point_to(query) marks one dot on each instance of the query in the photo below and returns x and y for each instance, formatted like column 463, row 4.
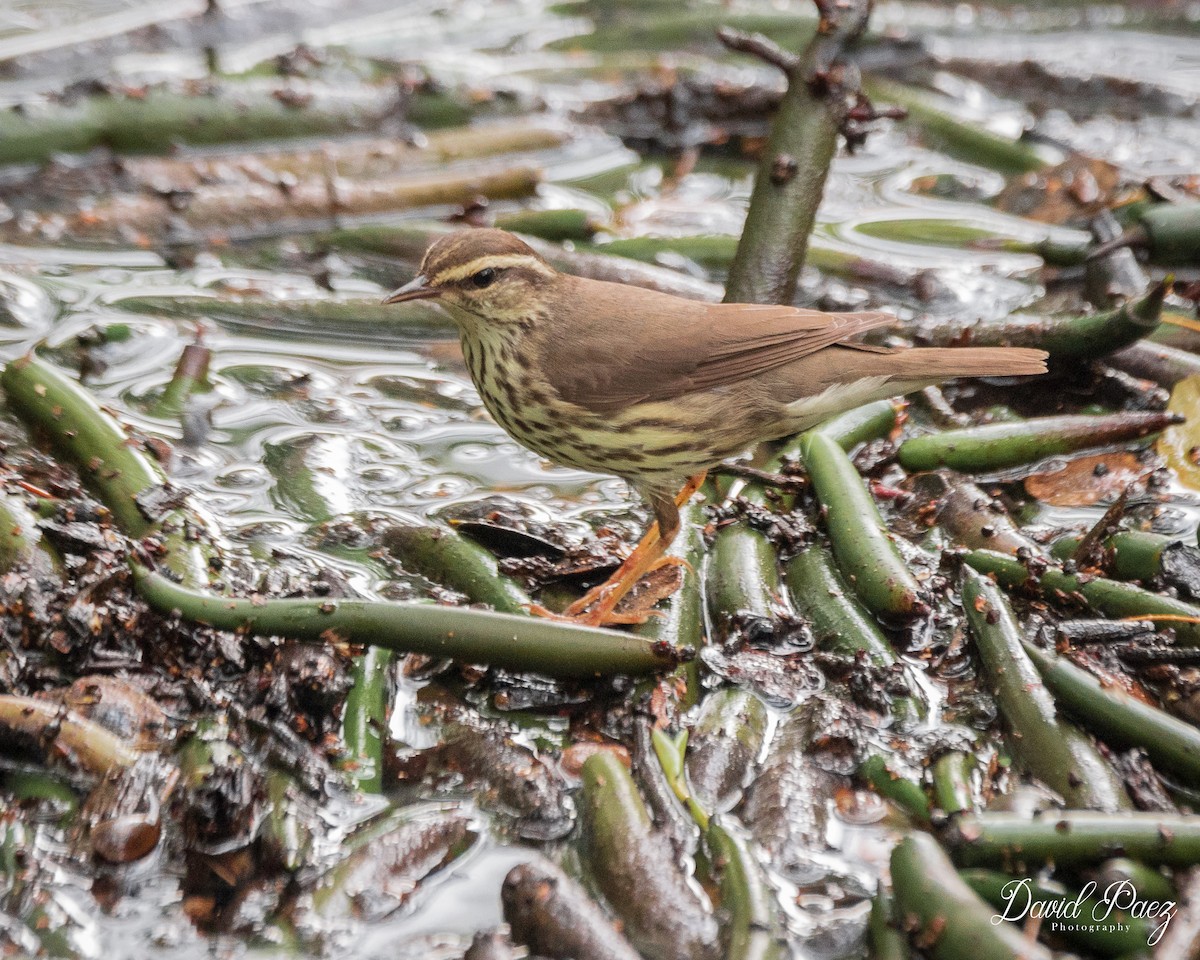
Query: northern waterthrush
column 655, row 388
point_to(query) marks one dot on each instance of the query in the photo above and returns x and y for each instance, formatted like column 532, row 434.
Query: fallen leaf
column 1180, row 444
column 1085, row 481
column 1077, row 187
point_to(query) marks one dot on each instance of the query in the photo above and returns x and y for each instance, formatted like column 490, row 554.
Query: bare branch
column 759, row 46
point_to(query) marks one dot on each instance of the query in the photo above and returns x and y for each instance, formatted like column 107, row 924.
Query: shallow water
column 390, row 423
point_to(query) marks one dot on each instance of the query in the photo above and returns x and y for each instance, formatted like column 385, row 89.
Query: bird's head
column 481, row 276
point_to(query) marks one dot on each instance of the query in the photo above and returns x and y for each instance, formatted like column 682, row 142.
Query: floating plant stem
column 861, row 540
column 452, row 560
column 754, row 931
column 1054, row 751
column 999, row 446
column 1120, row 719
column 952, row 782
column 872, row 421
column 839, row 620
column 473, row 636
column 969, row 141
column 364, row 718
column 1074, row 837
column 161, row 119
column 190, row 377
column 1078, row 337
column 946, row 914
column 116, row 469
column 632, row 864
column 896, row 784
column 1109, row 597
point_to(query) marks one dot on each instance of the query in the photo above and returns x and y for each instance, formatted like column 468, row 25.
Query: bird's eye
column 484, row 277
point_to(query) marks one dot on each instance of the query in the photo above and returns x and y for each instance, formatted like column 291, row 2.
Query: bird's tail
column 878, row 374
column 934, row 364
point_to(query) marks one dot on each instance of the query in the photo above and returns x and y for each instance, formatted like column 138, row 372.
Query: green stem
column 116, row 470
column 941, row 130
column 21, row 542
column 1149, row 883
column 952, row 783
column 839, row 621
column 951, row 921
column 753, row 931
column 635, row 869
column 190, row 377
column 1074, row 837
column 999, row 446
column 886, row 942
column 896, row 784
column 669, row 752
column 742, row 581
column 473, row 636
column 364, row 718
column 553, row 225
column 1120, row 719
column 1172, row 232
column 791, row 175
column 1109, row 597
column 87, row 435
column 158, row 120
column 1081, row 337
column 1134, row 554
column 872, row 421
column 1059, row 247
column 1054, row 751
column 452, row 560
column 861, row 540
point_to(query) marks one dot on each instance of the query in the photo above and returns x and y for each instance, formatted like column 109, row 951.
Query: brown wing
column 638, row 347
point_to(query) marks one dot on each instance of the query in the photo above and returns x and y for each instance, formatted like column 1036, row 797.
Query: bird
column 654, row 388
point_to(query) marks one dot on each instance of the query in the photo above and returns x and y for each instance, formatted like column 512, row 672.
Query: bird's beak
column 416, row 289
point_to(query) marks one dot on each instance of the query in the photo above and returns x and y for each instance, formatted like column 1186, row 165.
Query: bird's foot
column 671, row 562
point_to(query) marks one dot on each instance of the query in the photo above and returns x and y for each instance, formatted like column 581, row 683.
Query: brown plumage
column 655, row 388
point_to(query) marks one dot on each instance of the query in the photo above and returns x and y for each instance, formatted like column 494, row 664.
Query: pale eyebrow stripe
column 495, row 262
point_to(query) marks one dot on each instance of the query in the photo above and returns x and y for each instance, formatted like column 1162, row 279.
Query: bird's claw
column 672, row 562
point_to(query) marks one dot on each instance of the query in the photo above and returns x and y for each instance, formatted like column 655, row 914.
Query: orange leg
column 597, row 606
